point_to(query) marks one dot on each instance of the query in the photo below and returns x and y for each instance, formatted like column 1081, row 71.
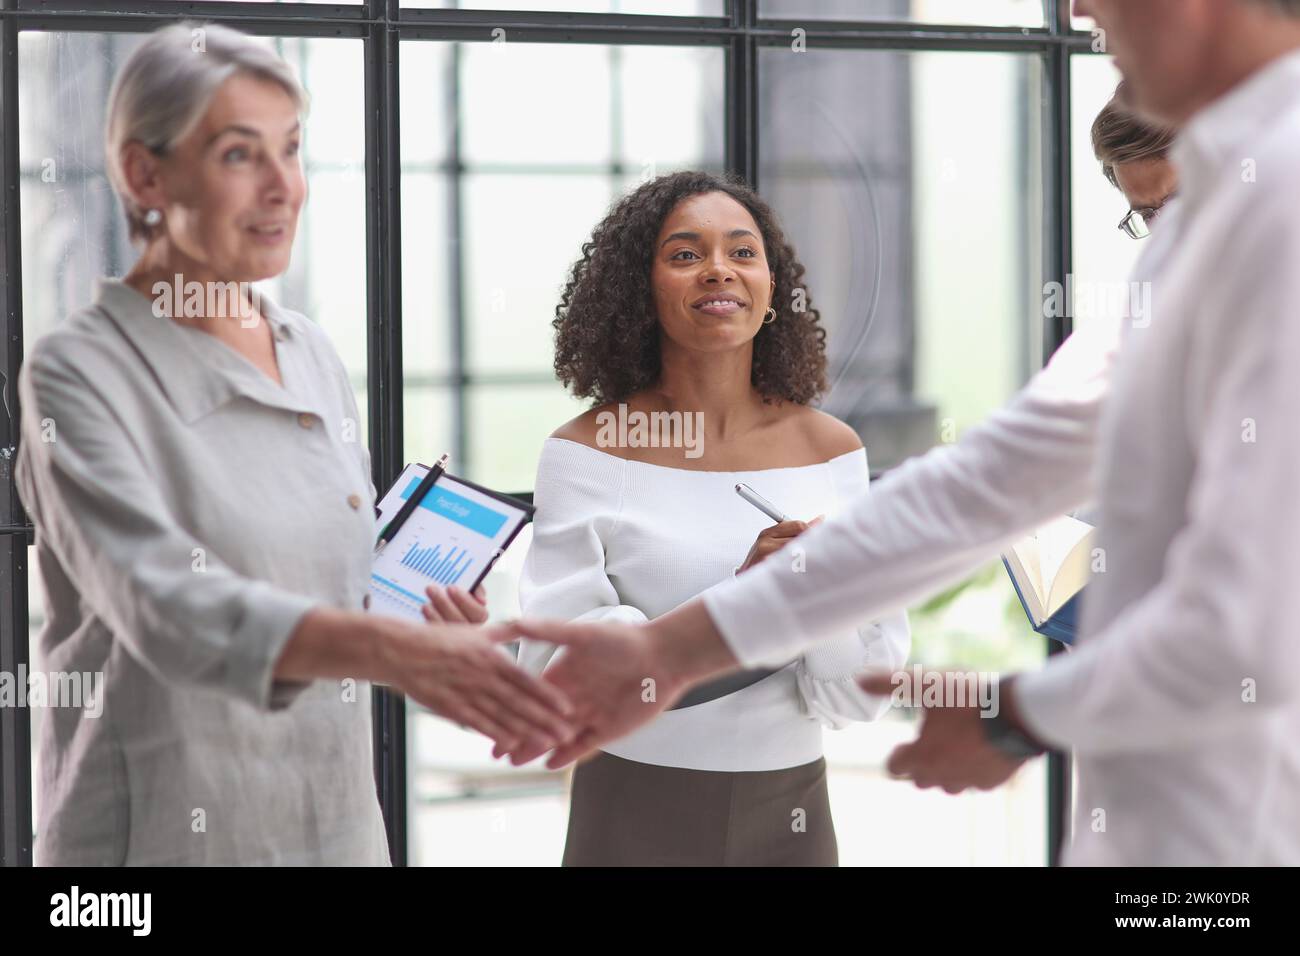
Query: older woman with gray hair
column 203, row 513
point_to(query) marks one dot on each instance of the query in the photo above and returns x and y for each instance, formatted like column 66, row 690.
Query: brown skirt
column 625, row 813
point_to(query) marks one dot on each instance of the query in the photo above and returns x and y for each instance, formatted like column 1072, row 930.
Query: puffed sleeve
column 826, row 675
column 578, row 496
column 99, row 510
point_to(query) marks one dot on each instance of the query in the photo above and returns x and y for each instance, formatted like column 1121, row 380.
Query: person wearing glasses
column 1134, row 156
column 204, row 513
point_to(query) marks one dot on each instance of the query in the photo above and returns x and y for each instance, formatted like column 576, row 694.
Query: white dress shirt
column 615, row 539
column 1180, row 699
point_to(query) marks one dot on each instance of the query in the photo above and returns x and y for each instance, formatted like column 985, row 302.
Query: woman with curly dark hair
column 687, row 323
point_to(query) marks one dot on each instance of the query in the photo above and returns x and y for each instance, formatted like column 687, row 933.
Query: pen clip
column 408, row 507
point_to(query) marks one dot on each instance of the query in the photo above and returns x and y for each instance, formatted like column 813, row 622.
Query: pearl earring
column 152, row 217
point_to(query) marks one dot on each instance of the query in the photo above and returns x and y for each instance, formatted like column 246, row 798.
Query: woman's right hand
column 459, row 672
column 455, row 605
column 773, row 539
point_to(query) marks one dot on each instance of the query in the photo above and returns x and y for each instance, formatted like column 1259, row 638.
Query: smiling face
column 710, row 277
column 230, row 191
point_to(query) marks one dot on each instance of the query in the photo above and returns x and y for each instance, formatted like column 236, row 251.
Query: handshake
column 614, row 677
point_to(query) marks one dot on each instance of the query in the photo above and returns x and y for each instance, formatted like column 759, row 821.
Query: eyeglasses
column 1137, row 224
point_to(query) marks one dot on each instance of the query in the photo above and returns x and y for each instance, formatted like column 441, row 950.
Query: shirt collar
column 197, row 371
column 1216, row 135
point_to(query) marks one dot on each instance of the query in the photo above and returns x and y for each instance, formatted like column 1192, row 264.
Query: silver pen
column 759, row 502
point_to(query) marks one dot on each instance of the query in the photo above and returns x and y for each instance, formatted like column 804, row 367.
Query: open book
column 1049, row 569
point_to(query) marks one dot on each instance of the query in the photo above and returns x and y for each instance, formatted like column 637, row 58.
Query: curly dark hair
column 606, row 328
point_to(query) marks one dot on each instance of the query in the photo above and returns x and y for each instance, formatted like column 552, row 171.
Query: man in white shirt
column 1180, row 701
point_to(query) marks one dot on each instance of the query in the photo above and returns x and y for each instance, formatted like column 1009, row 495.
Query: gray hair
column 165, row 87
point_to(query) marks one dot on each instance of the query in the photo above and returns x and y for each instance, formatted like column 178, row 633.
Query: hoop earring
column 152, row 217
column 771, row 313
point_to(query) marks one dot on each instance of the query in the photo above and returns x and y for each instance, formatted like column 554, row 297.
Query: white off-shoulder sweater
column 624, row 540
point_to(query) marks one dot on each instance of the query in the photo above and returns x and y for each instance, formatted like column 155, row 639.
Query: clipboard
column 454, row 535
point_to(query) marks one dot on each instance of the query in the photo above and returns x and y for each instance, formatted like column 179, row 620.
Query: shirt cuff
column 1046, row 703
column 755, row 621
column 260, row 640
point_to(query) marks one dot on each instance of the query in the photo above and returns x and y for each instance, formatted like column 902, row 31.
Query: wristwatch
column 1006, row 738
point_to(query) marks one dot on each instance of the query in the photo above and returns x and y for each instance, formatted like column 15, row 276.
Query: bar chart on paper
column 432, row 563
column 450, row 539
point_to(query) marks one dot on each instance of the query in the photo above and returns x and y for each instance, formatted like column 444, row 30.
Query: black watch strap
column 1003, row 736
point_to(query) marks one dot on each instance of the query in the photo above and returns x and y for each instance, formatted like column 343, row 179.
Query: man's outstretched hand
column 951, row 750
column 617, row 677
column 615, row 680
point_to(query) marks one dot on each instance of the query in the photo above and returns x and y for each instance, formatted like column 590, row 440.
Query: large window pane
column 429, row 242
column 515, row 264
column 524, row 415
column 72, row 228
column 912, row 185
column 508, row 104
column 993, row 13
column 915, row 201
column 428, row 419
